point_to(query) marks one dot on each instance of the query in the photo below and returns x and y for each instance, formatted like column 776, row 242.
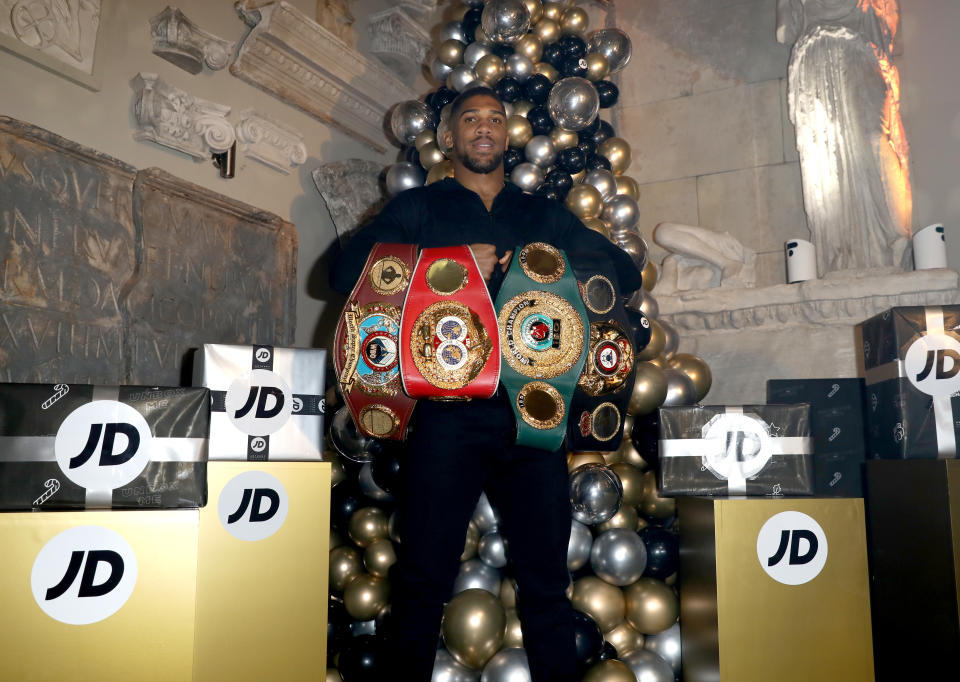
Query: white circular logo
column 739, row 446
column 297, row 405
column 83, row 575
column 253, row 505
column 259, row 403
column 792, row 548
column 932, row 364
column 103, row 445
column 263, row 355
column 644, row 322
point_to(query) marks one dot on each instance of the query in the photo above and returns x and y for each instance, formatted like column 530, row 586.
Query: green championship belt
column 543, row 338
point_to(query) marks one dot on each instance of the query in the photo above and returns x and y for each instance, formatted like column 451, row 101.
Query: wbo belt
column 367, row 343
column 543, row 337
column 603, row 390
column 449, row 349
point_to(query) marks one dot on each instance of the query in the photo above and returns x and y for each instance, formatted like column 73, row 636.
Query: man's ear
column 447, row 140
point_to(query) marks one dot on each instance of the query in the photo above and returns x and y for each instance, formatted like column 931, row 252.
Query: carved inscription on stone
column 66, row 250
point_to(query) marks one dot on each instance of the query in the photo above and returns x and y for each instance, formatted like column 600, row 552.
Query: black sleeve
column 397, row 223
column 578, row 237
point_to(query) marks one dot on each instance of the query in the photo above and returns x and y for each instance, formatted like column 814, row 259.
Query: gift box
column 727, row 450
column 265, row 403
column 74, row 446
column 912, row 370
column 837, row 428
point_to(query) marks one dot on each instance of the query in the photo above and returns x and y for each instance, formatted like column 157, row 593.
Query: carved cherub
column 335, row 16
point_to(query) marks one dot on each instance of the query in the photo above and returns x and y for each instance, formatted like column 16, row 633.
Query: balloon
column 563, row 139
column 452, row 30
column 530, row 46
column 369, row 487
column 600, row 600
column 608, row 651
column 571, row 160
column 584, row 201
column 508, row 88
column 628, row 186
column 598, row 66
column 645, row 439
column 597, row 225
column 492, row 549
column 631, row 242
column 379, row 557
column 424, row 138
column 548, row 192
column 512, row 158
column 485, row 516
column 476, row 575
column 680, row 388
column 624, row 638
column 618, row 556
column 574, row 21
column 573, row 103
column 337, row 471
column 471, row 20
column 527, row 176
column 409, row 119
column 617, row 150
column 647, row 666
column 540, row 150
column 365, row 596
column 461, row 77
column 450, row 52
column 540, row 120
column 430, row 156
column 652, row 504
column 573, row 46
column 663, row 552
column 442, row 170
column 573, row 66
column 553, row 10
column 519, row 131
column 613, row 44
column 670, row 341
column 666, row 645
column 632, row 480
column 473, row 627
column 608, row 92
column 598, row 162
column 578, row 548
column 651, row 273
column 367, row 525
column 508, row 593
column 547, row 70
column 519, row 67
column 560, row 181
column 605, row 183
column 588, row 639
column 626, row 517
column 480, row 36
column 362, row 660
column 547, row 30
column 695, row 368
column 603, row 133
column 610, row 671
column 629, row 454
column 535, row 8
column 507, row 665
column 338, row 626
column 505, row 21
column 537, row 89
column 619, row 210
column 553, row 54
column 345, row 437
column 654, row 346
column 439, row 71
column 345, row 565
column 490, row 69
column 513, row 636
column 474, row 53
column 345, row 499
column 446, row 669
column 649, row 389
column 595, row 493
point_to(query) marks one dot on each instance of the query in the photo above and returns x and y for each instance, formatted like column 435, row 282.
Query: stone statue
column 335, row 16
column 703, row 259
column 843, row 97
column 351, row 190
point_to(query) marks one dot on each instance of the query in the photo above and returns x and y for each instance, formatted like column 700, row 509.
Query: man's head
column 477, row 131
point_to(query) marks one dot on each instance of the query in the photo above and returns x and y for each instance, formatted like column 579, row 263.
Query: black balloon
column 591, row 129
column 540, row 120
column 597, row 162
column 604, row 132
column 345, row 499
column 571, row 160
column 574, row 66
column 470, row 22
column 609, row 93
column 503, row 51
column 511, row 159
column 641, row 329
column 441, row 98
column 587, row 146
column 362, row 660
column 608, row 652
column 663, row 552
column 537, row 89
column 509, row 89
column 412, row 155
column 385, row 467
column 552, row 54
column 589, row 639
column 549, row 192
column 560, row 180
column 573, row 46
column 645, row 437
column 338, row 627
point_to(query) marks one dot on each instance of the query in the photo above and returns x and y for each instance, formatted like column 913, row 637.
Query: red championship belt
column 367, row 343
column 449, row 346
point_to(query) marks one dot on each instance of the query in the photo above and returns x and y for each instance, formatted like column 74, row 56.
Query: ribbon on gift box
column 735, row 446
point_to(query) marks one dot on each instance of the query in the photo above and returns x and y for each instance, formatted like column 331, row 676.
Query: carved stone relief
column 398, row 41
column 351, row 190
column 336, row 17
column 64, row 32
column 270, row 142
column 182, row 42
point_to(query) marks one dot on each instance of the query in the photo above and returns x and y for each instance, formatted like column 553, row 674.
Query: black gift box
column 912, row 369
column 837, row 427
column 146, row 447
column 727, row 450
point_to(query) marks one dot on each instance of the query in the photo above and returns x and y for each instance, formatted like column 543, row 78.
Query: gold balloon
column 547, row 70
column 626, row 517
column 480, row 36
column 536, row 10
column 522, row 108
column 597, row 225
column 598, row 66
column 641, row 523
column 425, row 137
column 627, row 185
column 600, row 600
column 656, row 344
column 379, row 557
column 519, row 131
column 624, row 639
column 365, row 596
column 474, row 623
column 610, row 670
column 632, row 479
column 652, row 504
column 508, row 593
column 430, row 156
column 649, row 389
column 442, row 170
column 530, row 46
column 659, row 361
column 652, row 606
column 470, row 542
column 574, row 21
column 513, row 637
column 563, row 139
column 491, row 69
column 670, row 580
column 547, row 30
column 695, row 368
column 578, row 178
column 345, row 565
column 651, row 271
column 553, row 10
column 450, row 52
column 367, row 525
column 611, row 458
column 617, row 150
column 337, row 473
column 629, row 454
column 584, row 201
column 575, row 459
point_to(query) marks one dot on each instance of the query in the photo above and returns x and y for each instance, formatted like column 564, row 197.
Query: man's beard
column 475, row 165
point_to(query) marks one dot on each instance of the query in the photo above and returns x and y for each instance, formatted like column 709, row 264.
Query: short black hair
column 469, row 93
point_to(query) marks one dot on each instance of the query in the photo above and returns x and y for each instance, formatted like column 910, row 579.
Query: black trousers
column 457, row 451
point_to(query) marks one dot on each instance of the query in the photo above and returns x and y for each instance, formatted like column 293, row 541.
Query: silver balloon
column 618, row 556
column 573, row 103
column 452, row 30
column 680, row 388
column 519, row 67
column 446, row 669
column 505, row 21
column 485, row 517
column 527, row 176
column 409, row 119
column 403, row 176
column 492, row 550
column 461, row 77
column 474, row 574
column 507, row 665
column 620, row 210
column 578, row 548
column 642, row 300
column 541, row 151
column 666, row 645
column 671, row 339
column 473, row 53
column 369, row 487
column 613, row 44
column 635, row 246
column 647, row 666
column 440, row 71
column 595, row 493
column 604, row 181
column 347, row 440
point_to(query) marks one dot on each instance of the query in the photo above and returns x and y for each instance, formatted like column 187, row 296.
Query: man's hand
column 486, row 255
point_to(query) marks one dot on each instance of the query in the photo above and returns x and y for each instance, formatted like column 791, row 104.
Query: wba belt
column 367, row 343
column 448, row 345
column 603, row 390
column 543, row 338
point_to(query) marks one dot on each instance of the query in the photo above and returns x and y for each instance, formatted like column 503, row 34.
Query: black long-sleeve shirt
column 446, row 213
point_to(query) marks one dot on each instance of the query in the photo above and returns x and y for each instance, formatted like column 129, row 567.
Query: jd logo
column 115, row 446
column 262, row 355
column 83, row 575
column 260, row 403
column 739, row 445
column 932, row 364
column 253, row 506
column 792, row 548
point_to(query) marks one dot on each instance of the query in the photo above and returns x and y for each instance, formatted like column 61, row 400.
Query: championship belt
column 367, row 344
column 449, row 349
column 603, row 389
column 543, row 337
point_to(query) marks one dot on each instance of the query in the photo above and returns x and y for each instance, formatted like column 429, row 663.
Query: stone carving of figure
column 844, row 99
column 335, row 16
column 703, row 259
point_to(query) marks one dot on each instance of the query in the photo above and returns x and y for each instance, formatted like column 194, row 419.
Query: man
column 459, row 449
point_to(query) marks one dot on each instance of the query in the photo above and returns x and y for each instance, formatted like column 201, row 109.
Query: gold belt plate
column 541, row 334
column 449, row 345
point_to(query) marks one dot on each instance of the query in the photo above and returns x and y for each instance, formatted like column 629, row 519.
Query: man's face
column 479, row 135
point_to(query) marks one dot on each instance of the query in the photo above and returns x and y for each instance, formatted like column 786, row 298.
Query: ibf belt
column 603, row 390
column 543, row 338
column 449, row 349
column 367, row 343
